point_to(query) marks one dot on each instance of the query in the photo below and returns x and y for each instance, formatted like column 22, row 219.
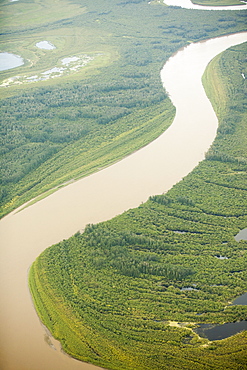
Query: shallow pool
column 9, row 61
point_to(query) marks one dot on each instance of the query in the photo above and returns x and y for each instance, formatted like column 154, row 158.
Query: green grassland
column 110, row 294
column 60, row 129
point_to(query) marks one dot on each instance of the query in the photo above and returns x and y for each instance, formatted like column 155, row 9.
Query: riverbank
column 67, row 127
column 208, row 5
column 124, row 278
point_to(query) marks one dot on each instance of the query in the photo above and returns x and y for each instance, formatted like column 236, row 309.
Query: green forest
column 113, row 295
column 64, row 128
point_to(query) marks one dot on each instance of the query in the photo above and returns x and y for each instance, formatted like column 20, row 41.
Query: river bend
column 151, row 170
column 188, row 4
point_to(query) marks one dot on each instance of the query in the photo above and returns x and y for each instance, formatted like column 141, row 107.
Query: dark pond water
column 221, row 331
column 217, row 332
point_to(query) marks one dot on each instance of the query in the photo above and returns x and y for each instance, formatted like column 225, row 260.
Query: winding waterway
column 188, row 4
column 158, row 166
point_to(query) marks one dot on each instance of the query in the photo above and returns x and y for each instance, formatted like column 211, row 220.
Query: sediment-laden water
column 25, row 344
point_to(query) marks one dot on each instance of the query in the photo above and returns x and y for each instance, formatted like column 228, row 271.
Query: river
column 188, row 4
column 159, row 165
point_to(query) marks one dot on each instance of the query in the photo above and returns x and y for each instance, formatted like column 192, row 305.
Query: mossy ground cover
column 63, row 128
column 110, row 293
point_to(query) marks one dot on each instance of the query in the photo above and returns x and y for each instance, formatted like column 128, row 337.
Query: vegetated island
column 113, row 294
column 63, row 128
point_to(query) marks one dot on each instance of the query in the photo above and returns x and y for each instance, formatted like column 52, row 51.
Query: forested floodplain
column 60, row 129
column 116, row 294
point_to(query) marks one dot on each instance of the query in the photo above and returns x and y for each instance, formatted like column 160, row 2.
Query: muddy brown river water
column 25, row 345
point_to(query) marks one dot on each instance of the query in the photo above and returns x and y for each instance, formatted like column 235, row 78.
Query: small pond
column 189, row 288
column 221, row 257
column 45, row 45
column 241, row 300
column 67, row 61
column 218, row 332
column 9, row 61
column 221, row 331
column 242, row 235
column 64, row 66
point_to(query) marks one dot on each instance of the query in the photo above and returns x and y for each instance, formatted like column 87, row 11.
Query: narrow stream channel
column 25, row 345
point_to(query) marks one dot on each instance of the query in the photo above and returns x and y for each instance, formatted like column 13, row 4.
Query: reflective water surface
column 242, row 235
column 187, row 4
column 45, row 45
column 218, row 332
column 151, row 170
column 9, row 61
column 221, row 331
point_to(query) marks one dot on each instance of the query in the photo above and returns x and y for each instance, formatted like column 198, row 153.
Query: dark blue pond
column 221, row 331
column 217, row 332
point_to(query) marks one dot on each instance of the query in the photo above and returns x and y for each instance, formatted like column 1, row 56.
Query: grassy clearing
column 19, row 16
column 110, row 294
column 216, row 92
